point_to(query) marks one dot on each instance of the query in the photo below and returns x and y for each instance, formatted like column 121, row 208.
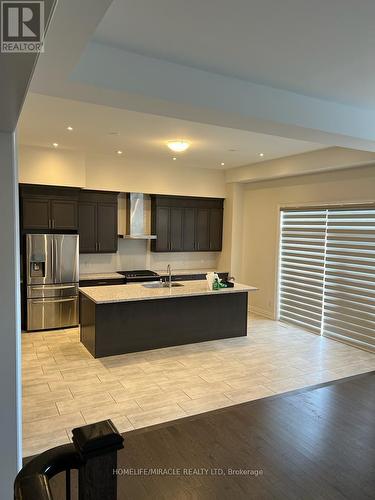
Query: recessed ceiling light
column 55, row 145
column 178, row 146
column 119, row 152
column 174, row 158
column 261, row 155
column 222, row 164
column 69, row 128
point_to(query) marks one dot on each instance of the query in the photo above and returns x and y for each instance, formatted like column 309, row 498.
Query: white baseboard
column 261, row 312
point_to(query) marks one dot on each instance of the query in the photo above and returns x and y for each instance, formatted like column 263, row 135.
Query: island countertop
column 136, row 291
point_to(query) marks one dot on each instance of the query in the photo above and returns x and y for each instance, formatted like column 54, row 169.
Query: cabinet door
column 162, row 227
column 107, row 228
column 87, row 227
column 176, row 220
column 64, row 214
column 35, row 213
column 202, row 229
column 189, row 230
column 216, row 229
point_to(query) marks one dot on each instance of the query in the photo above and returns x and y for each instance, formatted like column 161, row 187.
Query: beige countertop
column 134, row 292
column 100, row 276
column 163, row 272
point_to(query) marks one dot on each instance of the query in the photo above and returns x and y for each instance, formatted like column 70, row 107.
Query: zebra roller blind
column 302, row 267
column 349, row 304
column 327, row 272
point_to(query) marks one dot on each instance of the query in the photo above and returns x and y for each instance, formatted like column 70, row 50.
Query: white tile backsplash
column 136, row 254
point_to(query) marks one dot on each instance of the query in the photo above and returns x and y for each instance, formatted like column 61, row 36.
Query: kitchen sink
column 161, row 285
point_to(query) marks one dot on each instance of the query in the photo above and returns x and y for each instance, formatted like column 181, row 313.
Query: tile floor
column 64, row 387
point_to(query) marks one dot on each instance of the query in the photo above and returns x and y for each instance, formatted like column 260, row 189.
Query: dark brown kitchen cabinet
column 216, row 229
column 87, row 227
column 184, row 224
column 64, row 214
column 107, row 228
column 188, row 230
column 202, row 230
column 169, row 224
column 161, row 228
column 97, row 222
column 176, row 225
column 48, row 208
column 35, row 213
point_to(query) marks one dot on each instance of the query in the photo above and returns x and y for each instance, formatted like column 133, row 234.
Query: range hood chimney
column 137, row 217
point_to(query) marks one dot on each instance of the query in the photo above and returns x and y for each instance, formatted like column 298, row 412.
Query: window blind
column 327, row 272
column 302, row 250
column 349, row 299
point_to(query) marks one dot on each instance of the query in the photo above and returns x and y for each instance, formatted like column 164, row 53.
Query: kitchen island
column 120, row 319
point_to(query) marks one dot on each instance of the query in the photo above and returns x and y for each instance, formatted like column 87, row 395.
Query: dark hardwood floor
column 317, row 443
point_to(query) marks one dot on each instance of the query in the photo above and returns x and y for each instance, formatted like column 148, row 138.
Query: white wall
column 262, row 202
column 119, row 174
column 10, row 376
column 112, row 173
column 51, row 166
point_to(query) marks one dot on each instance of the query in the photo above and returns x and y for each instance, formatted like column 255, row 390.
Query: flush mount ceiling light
column 178, row 146
column 222, row 164
column 70, row 128
column 119, row 152
column 55, row 145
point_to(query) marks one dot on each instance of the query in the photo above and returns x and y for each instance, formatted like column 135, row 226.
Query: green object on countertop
column 216, row 284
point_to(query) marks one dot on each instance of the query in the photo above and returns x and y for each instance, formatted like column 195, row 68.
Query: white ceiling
column 142, row 136
column 321, row 48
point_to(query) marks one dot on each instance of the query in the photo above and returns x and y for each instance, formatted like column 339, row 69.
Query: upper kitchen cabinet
column 48, row 208
column 185, row 224
column 97, row 215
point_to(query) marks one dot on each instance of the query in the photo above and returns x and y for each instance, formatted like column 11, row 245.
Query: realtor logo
column 22, row 26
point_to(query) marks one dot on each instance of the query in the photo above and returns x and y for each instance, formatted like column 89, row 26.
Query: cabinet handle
column 49, row 224
column 198, row 246
column 53, row 223
column 99, row 246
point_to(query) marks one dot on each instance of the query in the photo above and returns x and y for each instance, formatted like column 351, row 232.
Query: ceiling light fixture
column 69, row 128
column 174, row 158
column 178, row 146
column 222, row 164
column 119, row 152
column 55, row 145
column 261, row 155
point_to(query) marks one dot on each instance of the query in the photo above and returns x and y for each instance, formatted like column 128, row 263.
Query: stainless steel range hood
column 135, row 216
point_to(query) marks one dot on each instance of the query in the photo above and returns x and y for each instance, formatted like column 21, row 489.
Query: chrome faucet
column 169, row 271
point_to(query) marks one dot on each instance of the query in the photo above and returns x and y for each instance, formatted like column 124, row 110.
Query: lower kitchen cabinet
column 184, row 224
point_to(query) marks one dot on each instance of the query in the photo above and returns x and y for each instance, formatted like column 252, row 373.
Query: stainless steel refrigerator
column 52, row 273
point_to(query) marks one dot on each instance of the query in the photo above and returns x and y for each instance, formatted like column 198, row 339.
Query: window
column 327, row 272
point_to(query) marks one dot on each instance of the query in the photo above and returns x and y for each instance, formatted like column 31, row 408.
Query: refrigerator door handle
column 51, row 287
column 49, row 301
